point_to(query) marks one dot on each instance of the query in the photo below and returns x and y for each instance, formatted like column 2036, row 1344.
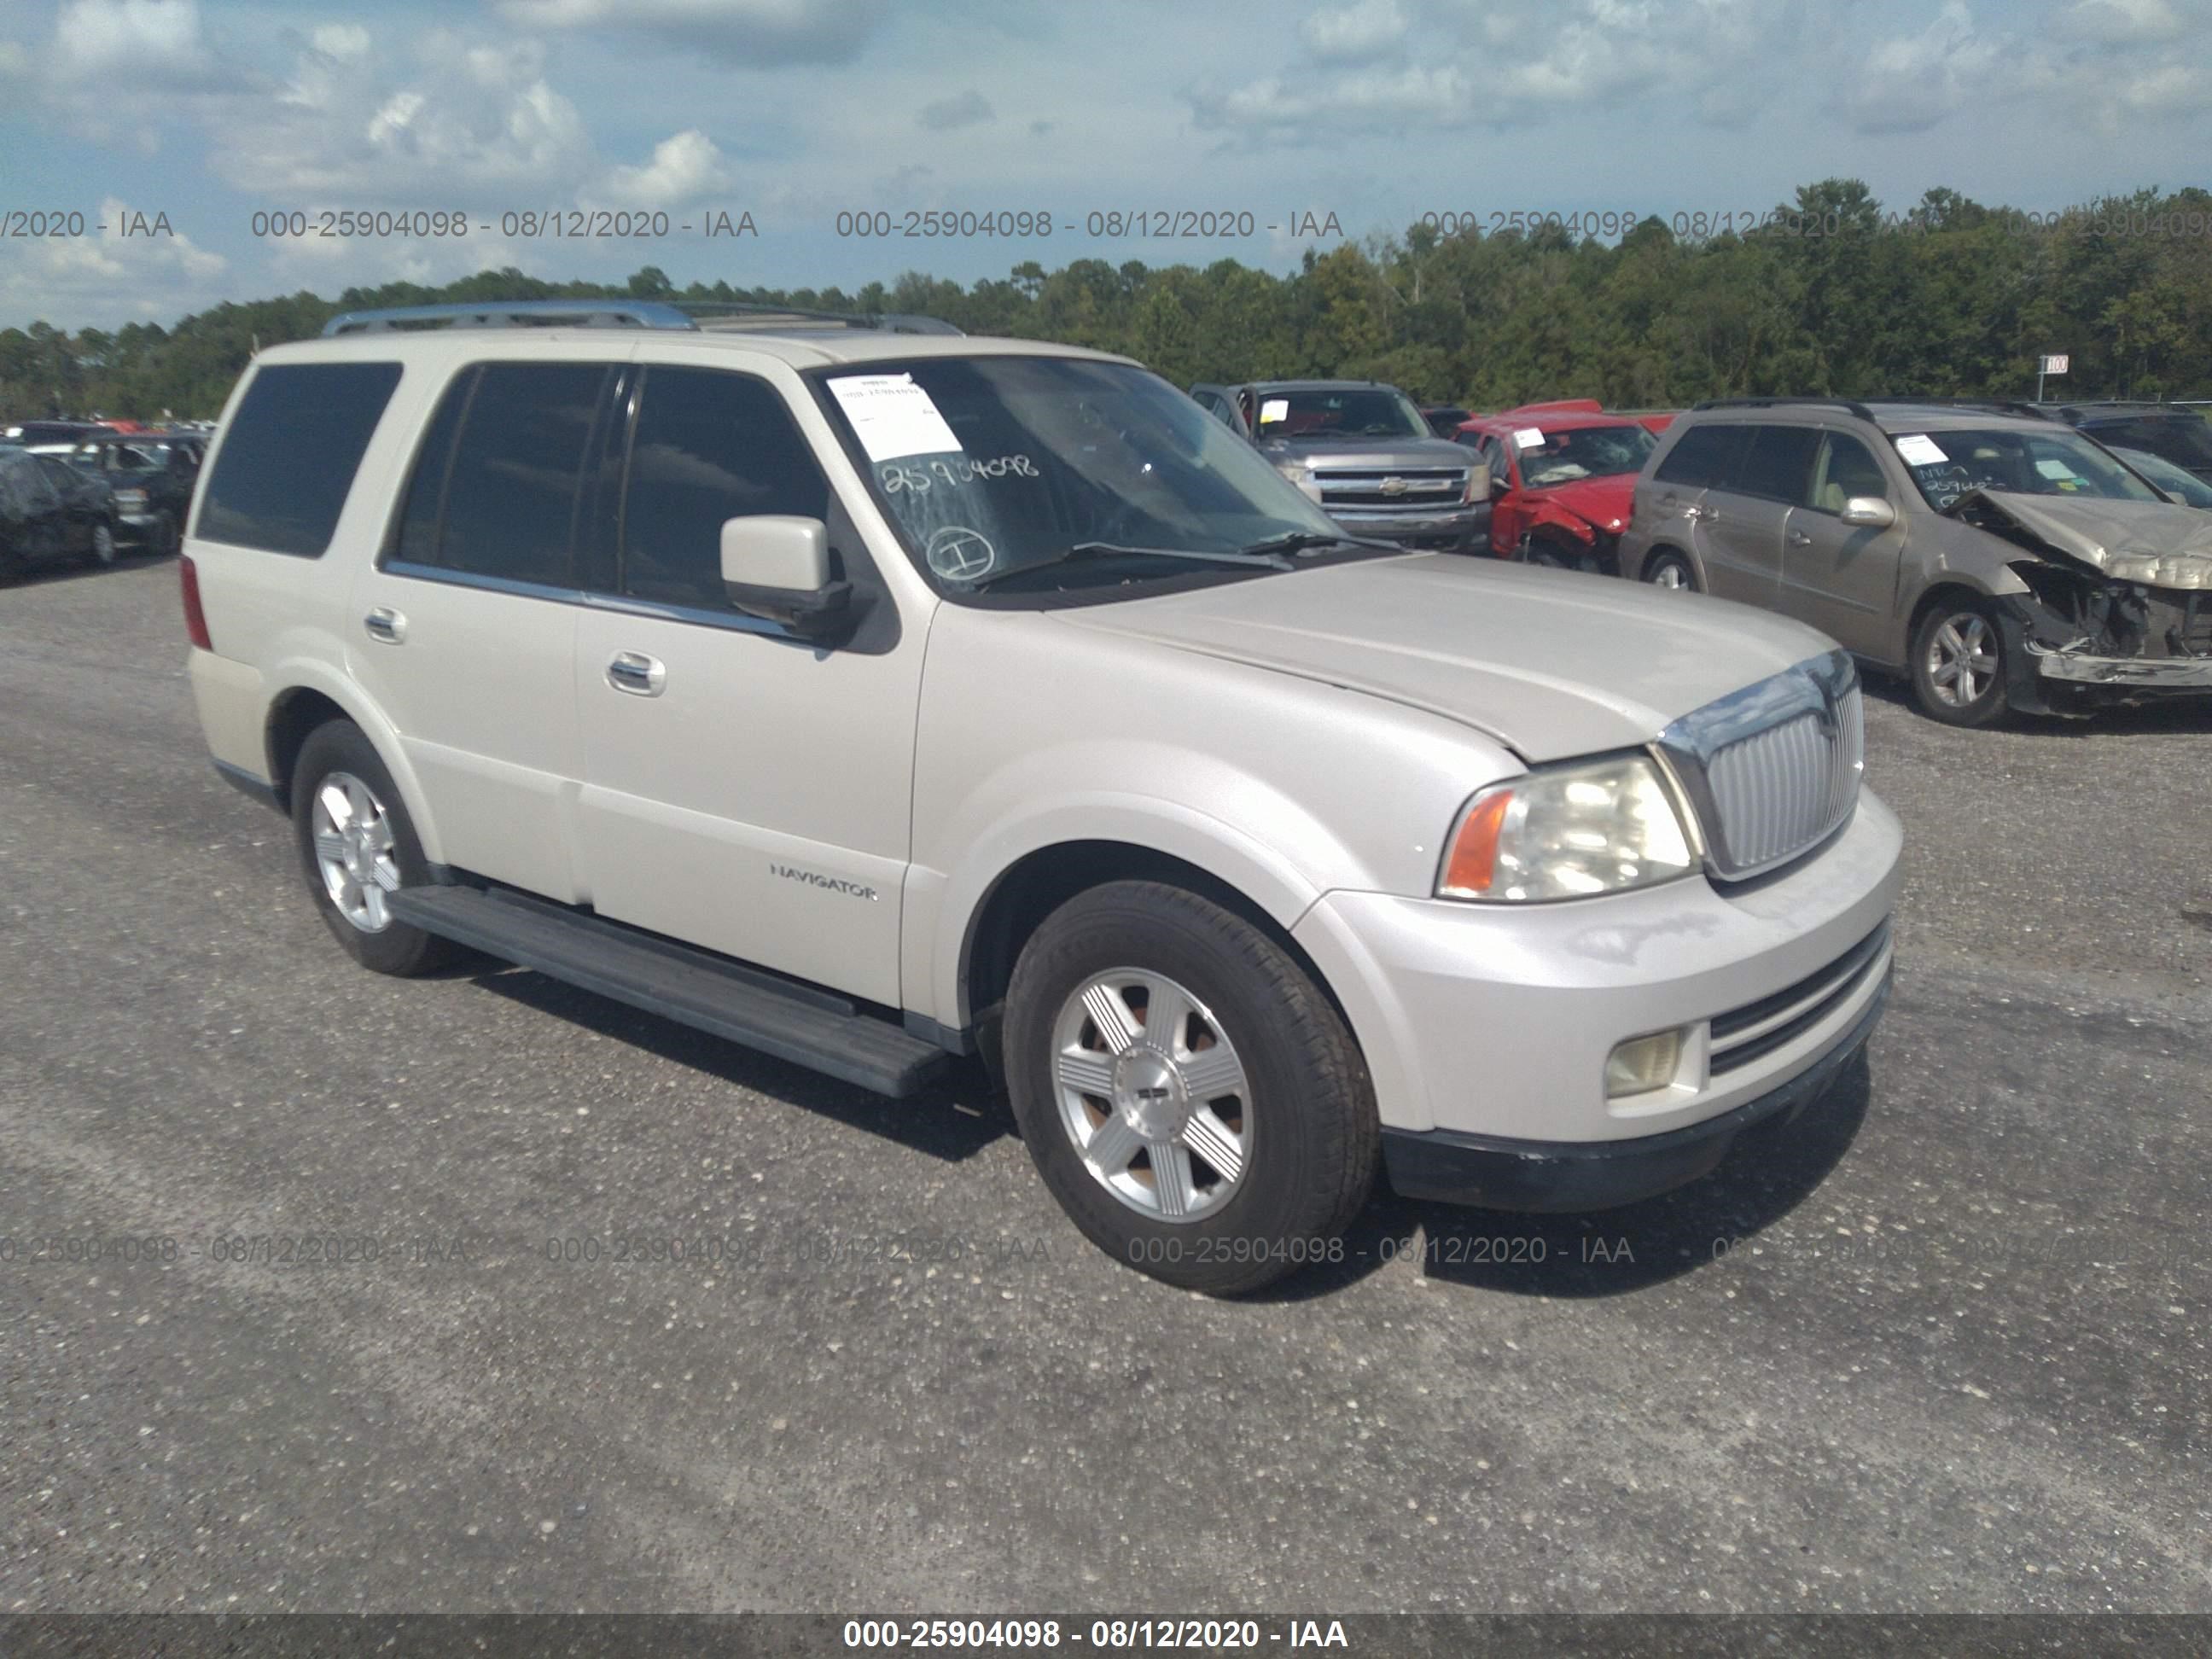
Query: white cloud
column 1910, row 82
column 1354, row 31
column 102, row 44
column 133, row 268
column 755, row 34
column 683, row 169
column 2124, row 21
column 965, row 109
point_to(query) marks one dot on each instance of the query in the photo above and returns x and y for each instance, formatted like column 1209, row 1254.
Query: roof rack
column 516, row 314
column 2006, row 405
column 1856, row 408
column 688, row 316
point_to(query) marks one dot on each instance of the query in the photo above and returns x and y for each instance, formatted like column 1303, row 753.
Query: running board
column 798, row 1022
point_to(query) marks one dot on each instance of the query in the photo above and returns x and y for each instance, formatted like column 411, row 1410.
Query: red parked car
column 1562, row 479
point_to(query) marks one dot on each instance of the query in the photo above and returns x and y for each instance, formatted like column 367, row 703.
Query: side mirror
column 1500, row 484
column 1869, row 512
column 778, row 568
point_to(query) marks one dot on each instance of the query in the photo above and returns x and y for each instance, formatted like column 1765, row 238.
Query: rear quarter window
column 1703, row 456
column 289, row 459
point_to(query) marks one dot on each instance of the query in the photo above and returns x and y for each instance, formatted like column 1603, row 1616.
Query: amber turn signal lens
column 1473, row 860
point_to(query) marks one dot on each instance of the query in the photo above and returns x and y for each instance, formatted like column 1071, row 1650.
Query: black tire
column 1945, row 630
column 166, row 538
column 1660, row 562
column 1549, row 555
column 340, row 746
column 1316, row 1134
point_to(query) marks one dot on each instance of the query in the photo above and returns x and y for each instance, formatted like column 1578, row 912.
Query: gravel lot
column 1944, row 1349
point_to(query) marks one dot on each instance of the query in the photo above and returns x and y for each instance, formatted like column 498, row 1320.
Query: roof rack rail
column 730, row 314
column 1855, row 407
column 515, row 313
column 2009, row 406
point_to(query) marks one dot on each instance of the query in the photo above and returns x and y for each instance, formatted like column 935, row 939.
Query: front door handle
column 636, row 673
column 1799, row 538
column 385, row 625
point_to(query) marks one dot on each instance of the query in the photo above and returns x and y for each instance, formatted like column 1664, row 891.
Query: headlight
column 1302, row 475
column 1566, row 831
column 130, row 501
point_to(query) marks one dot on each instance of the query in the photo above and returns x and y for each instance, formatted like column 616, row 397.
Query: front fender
column 1030, row 808
column 1550, row 515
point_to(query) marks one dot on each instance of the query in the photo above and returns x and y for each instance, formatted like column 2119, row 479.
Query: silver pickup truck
column 1362, row 451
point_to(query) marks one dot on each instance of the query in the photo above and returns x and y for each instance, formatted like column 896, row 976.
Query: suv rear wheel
column 357, row 847
column 1188, row 1094
column 1958, row 663
column 1670, row 570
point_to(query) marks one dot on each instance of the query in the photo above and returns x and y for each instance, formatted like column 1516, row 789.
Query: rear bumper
column 1574, row 1176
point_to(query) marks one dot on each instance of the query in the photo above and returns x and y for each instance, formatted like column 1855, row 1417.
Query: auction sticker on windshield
column 1529, row 437
column 1918, row 449
column 892, row 417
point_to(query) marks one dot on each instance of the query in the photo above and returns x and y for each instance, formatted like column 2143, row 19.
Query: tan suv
column 1997, row 557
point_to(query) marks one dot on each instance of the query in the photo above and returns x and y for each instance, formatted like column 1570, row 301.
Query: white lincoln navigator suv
column 874, row 696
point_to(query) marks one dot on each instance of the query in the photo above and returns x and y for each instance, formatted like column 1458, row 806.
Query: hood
column 1604, row 501
column 2157, row 544
column 1359, row 454
column 1551, row 663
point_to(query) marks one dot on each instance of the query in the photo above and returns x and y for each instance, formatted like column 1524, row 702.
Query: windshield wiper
column 1306, row 541
column 1263, row 557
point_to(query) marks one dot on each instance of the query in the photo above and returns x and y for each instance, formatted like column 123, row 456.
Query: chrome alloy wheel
column 1962, row 660
column 103, row 544
column 1153, row 1094
column 354, row 849
column 1672, row 575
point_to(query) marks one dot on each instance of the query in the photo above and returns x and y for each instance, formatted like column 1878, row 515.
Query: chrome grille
column 1773, row 769
column 1392, row 490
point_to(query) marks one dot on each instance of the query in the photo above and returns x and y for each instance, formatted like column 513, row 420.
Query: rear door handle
column 385, row 625
column 636, row 673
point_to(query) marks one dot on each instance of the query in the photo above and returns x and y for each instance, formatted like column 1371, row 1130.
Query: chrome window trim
column 734, row 622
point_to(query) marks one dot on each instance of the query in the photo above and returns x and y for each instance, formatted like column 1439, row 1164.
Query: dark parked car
column 50, row 511
column 2180, row 435
column 48, row 435
column 152, row 476
column 1445, row 421
column 2177, row 483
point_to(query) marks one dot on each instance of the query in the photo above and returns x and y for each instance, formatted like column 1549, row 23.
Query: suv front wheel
column 1958, row 663
column 358, row 848
column 1190, row 1096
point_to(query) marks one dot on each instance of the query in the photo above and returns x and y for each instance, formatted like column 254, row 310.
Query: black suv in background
column 2174, row 433
column 152, row 475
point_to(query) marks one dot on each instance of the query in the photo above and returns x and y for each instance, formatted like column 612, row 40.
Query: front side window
column 1026, row 473
column 1844, row 468
column 709, row 445
column 1376, row 411
column 1589, row 451
column 289, row 457
column 497, row 479
column 1947, row 466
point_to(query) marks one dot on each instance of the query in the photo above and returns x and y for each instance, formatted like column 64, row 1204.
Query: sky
column 174, row 122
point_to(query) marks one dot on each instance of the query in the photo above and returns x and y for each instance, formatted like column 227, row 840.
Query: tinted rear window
column 1702, row 456
column 289, row 457
column 502, row 499
column 1779, row 463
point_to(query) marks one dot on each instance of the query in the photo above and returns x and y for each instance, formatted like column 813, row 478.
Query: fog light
column 1642, row 1064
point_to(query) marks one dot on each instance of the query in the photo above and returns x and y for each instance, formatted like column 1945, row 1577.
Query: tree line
column 1832, row 295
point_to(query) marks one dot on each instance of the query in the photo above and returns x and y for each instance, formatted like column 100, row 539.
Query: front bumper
column 1570, row 1177
column 2126, row 673
column 1462, row 530
column 1495, row 1021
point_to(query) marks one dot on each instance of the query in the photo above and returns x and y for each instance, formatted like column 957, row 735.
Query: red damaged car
column 1562, row 479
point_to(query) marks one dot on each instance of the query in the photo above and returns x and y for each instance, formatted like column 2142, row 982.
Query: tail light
column 196, row 628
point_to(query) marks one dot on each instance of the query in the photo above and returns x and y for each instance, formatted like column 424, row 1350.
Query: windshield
column 2177, row 482
column 1589, row 451
column 2185, row 440
column 1365, row 411
column 994, row 468
column 1946, row 465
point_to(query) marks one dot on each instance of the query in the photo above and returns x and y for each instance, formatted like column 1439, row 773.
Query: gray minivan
column 1999, row 558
